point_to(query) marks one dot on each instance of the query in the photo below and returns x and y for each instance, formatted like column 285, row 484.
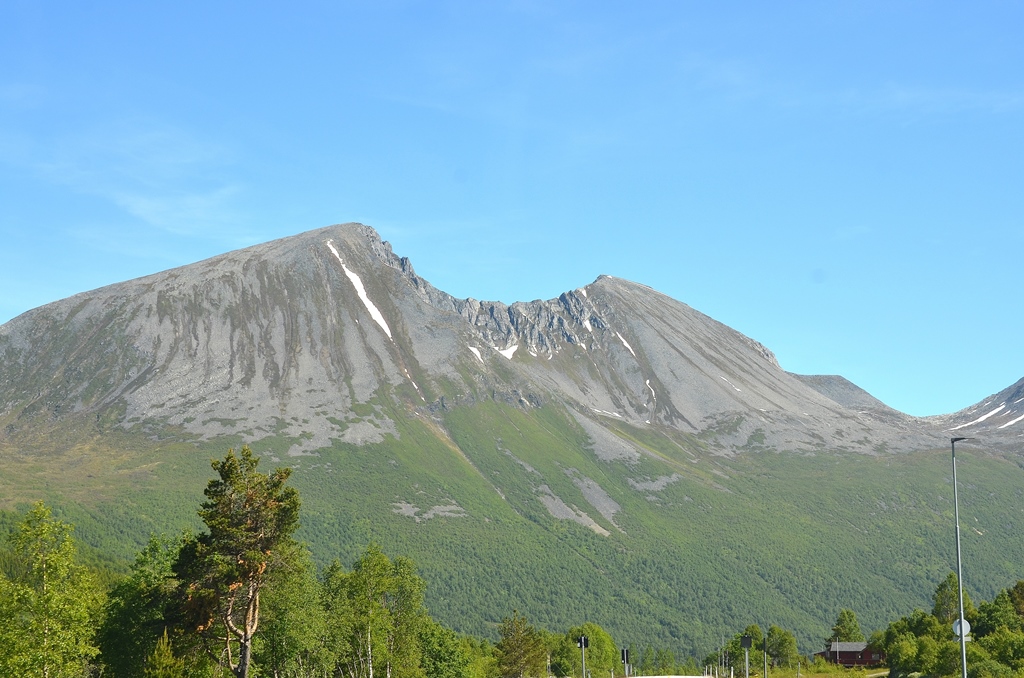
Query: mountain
column 285, row 336
column 611, row 454
column 997, row 418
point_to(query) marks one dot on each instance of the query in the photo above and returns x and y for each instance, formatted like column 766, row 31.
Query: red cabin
column 852, row 654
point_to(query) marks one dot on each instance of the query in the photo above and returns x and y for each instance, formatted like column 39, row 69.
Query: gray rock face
column 302, row 336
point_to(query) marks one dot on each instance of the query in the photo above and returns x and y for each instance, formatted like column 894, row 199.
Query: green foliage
column 443, row 653
column 377, row 616
column 483, row 661
column 134, row 617
column 947, row 601
column 782, row 648
column 647, row 664
column 521, row 652
column 372, row 619
column 339, row 617
column 567, row 659
column 664, row 661
column 1006, row 646
column 1016, row 594
column 923, row 643
column 732, row 654
column 999, row 613
column 49, row 608
column 293, row 625
column 250, row 517
column 989, row 668
column 162, row 663
column 847, row 628
column 793, row 537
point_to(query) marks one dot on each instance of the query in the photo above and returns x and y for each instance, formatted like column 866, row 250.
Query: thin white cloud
column 165, row 177
column 181, row 213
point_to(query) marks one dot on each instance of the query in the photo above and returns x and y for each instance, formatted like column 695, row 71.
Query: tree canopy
column 521, row 651
column 923, row 643
column 49, row 608
column 847, row 628
column 250, row 517
column 245, row 598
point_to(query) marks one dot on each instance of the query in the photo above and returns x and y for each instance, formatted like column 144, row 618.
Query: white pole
column 959, row 566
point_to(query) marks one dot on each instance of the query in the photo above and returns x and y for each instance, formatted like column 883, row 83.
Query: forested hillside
column 765, row 538
column 242, row 597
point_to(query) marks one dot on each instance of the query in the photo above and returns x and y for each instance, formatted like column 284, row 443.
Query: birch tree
column 847, row 628
column 48, row 609
column 379, row 608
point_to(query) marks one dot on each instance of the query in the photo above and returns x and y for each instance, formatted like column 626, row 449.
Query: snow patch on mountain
column 626, row 344
column 361, row 292
column 654, row 396
column 734, row 386
column 1011, row 423
column 981, row 418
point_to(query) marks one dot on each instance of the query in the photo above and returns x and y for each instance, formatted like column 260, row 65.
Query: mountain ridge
column 277, row 346
column 618, row 427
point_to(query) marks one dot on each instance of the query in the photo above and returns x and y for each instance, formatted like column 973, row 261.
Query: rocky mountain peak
column 287, row 337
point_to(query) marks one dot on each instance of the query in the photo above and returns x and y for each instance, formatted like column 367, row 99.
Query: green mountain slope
column 763, row 537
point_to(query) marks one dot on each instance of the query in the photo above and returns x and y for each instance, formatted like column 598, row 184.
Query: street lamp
column 961, row 628
column 746, row 642
column 583, row 643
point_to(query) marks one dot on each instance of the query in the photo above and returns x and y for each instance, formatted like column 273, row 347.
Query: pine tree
column 250, row 517
column 947, row 601
column 162, row 663
column 521, row 651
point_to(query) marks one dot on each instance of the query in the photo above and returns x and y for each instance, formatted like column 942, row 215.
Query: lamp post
column 766, row 655
column 961, row 627
column 746, row 642
column 583, row 643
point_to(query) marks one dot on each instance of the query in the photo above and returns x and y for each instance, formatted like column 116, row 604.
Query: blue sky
column 840, row 181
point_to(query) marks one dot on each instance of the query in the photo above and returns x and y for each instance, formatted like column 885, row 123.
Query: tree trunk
column 244, row 658
column 369, row 649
